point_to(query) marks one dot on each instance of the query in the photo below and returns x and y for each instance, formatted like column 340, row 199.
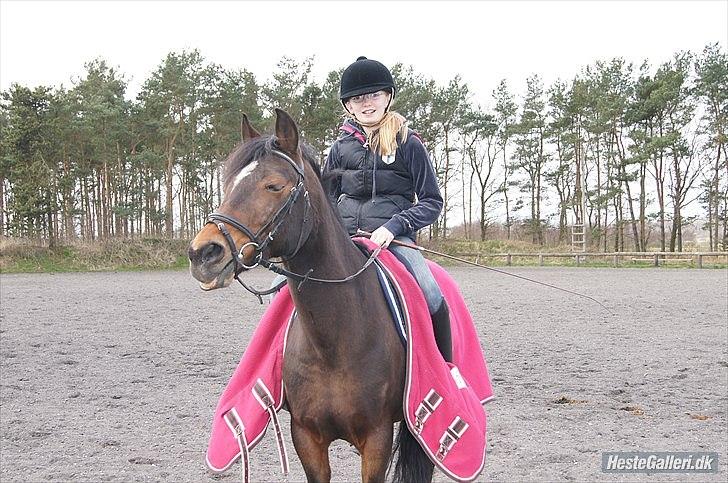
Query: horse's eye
column 275, row 188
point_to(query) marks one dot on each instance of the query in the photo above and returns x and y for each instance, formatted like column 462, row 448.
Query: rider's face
column 369, row 108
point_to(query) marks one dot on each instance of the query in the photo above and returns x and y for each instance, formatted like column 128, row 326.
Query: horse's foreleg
column 376, row 451
column 313, row 451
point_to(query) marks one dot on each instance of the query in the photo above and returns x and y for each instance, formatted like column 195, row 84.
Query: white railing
column 655, row 258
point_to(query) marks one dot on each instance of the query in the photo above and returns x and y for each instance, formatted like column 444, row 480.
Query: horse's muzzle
column 209, row 253
column 209, row 265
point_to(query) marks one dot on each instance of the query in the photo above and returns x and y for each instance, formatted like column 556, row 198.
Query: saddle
column 443, row 403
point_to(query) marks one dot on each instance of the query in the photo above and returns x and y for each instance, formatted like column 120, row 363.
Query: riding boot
column 441, row 326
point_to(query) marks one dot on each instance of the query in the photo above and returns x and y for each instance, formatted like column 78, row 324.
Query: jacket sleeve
column 333, row 163
column 429, row 200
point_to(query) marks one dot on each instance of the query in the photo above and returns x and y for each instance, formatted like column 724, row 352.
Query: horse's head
column 265, row 208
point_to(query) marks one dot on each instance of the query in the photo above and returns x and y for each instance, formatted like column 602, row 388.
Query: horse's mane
column 259, row 147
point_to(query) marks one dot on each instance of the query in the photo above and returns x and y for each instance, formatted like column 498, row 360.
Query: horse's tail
column 412, row 464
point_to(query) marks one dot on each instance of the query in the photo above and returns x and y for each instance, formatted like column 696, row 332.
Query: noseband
column 276, row 221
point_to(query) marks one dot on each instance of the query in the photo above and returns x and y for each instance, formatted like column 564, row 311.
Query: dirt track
column 114, row 376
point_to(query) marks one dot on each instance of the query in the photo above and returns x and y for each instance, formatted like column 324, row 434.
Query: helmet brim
column 345, row 96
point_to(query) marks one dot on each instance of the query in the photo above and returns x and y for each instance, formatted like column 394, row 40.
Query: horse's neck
column 329, row 310
column 328, row 250
column 327, row 254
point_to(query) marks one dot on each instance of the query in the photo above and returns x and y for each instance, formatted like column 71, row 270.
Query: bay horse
column 344, row 364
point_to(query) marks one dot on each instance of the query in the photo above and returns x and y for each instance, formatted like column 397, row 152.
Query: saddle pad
column 442, row 402
column 262, row 363
column 393, row 302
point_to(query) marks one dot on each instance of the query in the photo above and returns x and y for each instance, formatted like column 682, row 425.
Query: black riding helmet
column 365, row 76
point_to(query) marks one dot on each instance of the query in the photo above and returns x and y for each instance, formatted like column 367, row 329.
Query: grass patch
column 164, row 254
column 124, row 255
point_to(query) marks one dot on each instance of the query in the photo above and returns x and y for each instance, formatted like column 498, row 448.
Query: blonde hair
column 384, row 137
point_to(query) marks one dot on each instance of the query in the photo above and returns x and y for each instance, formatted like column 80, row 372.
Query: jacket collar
column 353, row 129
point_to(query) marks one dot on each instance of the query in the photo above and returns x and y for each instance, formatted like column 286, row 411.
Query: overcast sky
column 48, row 42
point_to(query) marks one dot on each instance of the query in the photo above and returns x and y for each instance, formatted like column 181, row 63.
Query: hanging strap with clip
column 232, row 418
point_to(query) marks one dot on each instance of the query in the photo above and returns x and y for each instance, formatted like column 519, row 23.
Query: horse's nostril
column 211, row 253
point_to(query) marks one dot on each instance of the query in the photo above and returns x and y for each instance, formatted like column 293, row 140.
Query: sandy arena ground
column 115, row 376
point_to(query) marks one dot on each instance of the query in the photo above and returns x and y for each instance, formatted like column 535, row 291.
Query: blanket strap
column 425, row 409
column 263, row 395
column 451, row 436
column 232, row 418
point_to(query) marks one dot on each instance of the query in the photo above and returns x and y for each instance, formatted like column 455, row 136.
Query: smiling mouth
column 369, row 111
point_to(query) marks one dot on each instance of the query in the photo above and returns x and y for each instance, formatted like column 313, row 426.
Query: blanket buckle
column 425, row 409
column 451, row 436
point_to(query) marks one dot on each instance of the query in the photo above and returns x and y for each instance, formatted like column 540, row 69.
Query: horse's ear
column 248, row 132
column 286, row 132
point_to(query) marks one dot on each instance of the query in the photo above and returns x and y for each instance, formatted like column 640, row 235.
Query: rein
column 220, row 220
column 462, row 260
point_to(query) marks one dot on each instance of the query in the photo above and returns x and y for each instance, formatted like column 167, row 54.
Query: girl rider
column 385, row 182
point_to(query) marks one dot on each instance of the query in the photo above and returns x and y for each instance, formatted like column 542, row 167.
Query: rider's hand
column 382, row 237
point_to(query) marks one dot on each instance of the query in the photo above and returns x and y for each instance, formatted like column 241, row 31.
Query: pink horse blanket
column 443, row 402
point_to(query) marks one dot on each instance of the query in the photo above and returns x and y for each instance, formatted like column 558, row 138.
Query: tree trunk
column 3, row 217
column 96, row 206
column 445, row 200
column 119, row 194
column 470, row 204
column 106, row 201
column 725, row 217
column 168, row 217
column 622, row 161
column 643, row 207
column 505, row 193
column 465, row 211
column 599, row 233
column 715, row 201
column 538, row 211
column 677, row 198
column 534, row 235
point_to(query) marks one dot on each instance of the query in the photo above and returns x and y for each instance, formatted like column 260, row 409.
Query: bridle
column 272, row 225
column 276, row 221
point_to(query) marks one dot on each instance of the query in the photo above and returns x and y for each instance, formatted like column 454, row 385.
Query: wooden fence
column 654, row 258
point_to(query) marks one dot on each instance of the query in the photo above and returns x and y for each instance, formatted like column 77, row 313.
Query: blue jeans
column 415, row 263
column 278, row 279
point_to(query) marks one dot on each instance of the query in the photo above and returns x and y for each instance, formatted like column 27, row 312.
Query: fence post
column 700, row 260
column 508, row 260
column 540, row 259
column 616, row 261
column 657, row 260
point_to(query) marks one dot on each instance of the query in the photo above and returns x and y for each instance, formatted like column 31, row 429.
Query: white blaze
column 245, row 172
